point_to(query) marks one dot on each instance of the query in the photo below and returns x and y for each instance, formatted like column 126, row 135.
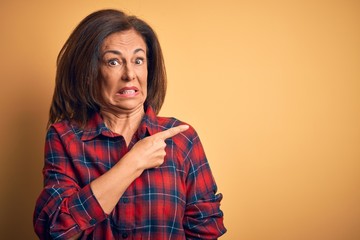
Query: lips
column 128, row 91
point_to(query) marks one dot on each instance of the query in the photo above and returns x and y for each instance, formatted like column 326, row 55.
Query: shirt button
column 124, row 235
column 92, row 221
column 126, row 200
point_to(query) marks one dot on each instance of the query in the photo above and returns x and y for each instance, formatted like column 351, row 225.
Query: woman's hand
column 150, row 151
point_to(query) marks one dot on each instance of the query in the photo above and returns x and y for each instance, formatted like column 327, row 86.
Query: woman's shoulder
column 64, row 129
column 63, row 126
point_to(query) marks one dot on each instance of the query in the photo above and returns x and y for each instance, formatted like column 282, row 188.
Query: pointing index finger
column 172, row 131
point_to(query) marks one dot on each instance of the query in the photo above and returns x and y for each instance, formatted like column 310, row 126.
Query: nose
column 128, row 74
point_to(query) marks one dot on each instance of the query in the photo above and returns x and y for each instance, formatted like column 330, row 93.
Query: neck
column 124, row 124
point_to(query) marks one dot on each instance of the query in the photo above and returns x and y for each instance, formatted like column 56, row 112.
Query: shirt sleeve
column 63, row 209
column 203, row 218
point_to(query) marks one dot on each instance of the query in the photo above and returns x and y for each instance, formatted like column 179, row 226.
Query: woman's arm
column 65, row 210
column 203, row 218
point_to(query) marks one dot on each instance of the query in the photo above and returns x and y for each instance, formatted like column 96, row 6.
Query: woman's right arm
column 64, row 209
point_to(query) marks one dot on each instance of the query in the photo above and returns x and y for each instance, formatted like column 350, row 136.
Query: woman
column 113, row 168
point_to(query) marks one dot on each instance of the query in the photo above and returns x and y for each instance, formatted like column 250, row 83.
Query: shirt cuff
column 85, row 209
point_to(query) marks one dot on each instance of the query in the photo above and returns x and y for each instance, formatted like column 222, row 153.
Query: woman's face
column 123, row 71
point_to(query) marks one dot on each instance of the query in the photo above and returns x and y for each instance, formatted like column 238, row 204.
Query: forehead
column 125, row 40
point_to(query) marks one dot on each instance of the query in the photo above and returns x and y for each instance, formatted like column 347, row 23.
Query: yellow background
column 273, row 88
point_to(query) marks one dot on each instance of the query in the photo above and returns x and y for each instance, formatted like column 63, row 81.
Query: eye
column 139, row 61
column 113, row 62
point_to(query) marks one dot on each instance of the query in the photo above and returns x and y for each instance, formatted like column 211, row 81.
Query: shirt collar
column 96, row 126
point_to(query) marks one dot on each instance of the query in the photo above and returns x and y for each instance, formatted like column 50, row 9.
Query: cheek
column 144, row 85
column 142, row 76
column 106, row 91
column 106, row 83
column 104, row 87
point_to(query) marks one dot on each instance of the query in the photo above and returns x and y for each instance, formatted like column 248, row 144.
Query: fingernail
column 184, row 127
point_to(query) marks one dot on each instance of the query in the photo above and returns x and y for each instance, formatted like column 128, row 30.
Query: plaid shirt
column 174, row 201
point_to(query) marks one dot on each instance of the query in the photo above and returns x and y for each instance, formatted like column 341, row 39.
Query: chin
column 130, row 107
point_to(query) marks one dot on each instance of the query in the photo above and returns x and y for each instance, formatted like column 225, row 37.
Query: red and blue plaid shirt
column 177, row 200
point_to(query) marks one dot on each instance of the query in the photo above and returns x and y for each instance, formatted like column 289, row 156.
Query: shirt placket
column 126, row 208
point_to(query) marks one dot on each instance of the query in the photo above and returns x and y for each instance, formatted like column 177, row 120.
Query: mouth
column 128, row 91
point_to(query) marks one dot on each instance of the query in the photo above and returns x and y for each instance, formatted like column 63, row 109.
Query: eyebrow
column 117, row 52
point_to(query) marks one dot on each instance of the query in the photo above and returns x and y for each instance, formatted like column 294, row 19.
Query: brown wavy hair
column 77, row 88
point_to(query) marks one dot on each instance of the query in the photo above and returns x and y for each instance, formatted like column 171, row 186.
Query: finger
column 172, row 132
